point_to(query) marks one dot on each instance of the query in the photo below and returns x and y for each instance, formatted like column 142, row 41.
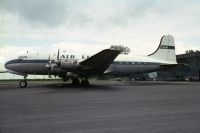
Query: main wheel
column 75, row 82
column 23, row 84
column 85, row 83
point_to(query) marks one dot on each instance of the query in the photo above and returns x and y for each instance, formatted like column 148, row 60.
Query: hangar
column 191, row 71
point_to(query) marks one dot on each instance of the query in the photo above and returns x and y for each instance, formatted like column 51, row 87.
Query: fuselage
column 123, row 64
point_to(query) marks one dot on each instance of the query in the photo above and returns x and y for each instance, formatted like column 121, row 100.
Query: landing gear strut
column 23, row 83
column 75, row 81
column 85, row 82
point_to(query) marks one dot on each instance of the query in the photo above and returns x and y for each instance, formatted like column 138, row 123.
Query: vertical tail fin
column 165, row 50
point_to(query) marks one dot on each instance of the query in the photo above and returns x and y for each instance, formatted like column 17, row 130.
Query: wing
column 98, row 63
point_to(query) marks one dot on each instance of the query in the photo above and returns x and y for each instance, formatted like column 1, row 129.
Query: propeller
column 53, row 64
column 57, row 60
column 50, row 66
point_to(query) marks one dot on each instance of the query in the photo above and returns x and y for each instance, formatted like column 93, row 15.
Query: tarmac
column 105, row 106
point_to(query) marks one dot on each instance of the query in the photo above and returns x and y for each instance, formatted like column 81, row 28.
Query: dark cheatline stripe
column 134, row 63
column 26, row 61
column 166, row 47
column 35, row 61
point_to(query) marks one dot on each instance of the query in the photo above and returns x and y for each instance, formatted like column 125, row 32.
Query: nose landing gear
column 23, row 83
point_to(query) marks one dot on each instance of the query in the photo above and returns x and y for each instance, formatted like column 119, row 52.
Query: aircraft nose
column 14, row 65
column 7, row 65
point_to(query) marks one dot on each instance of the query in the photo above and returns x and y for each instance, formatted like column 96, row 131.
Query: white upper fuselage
column 141, row 58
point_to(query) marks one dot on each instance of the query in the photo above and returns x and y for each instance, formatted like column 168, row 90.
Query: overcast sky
column 92, row 25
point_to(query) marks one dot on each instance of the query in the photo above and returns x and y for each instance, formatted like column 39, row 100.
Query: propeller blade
column 58, row 55
column 49, row 58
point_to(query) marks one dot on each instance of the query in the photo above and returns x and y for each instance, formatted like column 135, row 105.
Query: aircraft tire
column 85, row 83
column 22, row 84
column 75, row 82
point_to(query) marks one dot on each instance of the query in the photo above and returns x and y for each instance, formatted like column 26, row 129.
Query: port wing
column 99, row 62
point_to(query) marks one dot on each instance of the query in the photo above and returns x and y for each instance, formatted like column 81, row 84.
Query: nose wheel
column 23, row 83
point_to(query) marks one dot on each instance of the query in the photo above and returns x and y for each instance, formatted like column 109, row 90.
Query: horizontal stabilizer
column 99, row 62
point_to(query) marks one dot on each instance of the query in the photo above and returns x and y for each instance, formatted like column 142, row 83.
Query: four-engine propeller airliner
column 103, row 62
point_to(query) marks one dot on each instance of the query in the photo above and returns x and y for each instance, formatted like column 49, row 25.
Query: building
column 191, row 71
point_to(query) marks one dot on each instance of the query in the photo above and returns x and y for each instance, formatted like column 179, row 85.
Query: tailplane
column 165, row 50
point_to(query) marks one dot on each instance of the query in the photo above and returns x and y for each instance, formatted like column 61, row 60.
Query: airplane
column 163, row 58
column 104, row 62
column 67, row 67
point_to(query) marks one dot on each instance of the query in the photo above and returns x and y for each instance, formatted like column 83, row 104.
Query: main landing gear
column 23, row 83
column 84, row 82
column 75, row 81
